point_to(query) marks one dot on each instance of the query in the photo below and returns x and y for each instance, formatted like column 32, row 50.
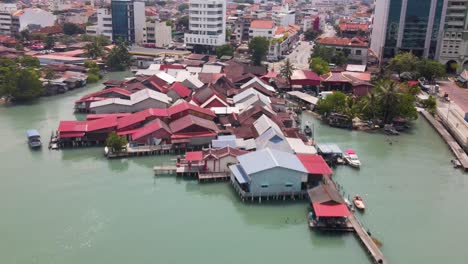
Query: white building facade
column 104, row 24
column 6, row 10
column 32, row 18
column 158, row 33
column 207, row 23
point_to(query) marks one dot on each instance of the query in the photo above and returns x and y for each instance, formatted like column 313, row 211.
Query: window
column 288, row 184
column 358, row 52
column 264, row 185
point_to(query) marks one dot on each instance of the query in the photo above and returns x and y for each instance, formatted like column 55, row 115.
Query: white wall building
column 284, row 16
column 32, row 17
column 6, row 10
column 207, row 23
column 58, row 5
column 262, row 28
column 104, row 24
column 139, row 20
column 158, row 33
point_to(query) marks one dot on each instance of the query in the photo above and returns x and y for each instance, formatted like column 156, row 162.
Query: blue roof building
column 268, row 172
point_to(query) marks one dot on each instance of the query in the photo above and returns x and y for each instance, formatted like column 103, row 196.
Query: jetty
column 368, row 243
column 451, row 142
column 142, row 151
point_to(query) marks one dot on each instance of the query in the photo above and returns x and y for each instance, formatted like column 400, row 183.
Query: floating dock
column 451, row 142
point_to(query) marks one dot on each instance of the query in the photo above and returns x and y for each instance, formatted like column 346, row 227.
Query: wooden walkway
column 206, row 176
column 143, row 151
column 451, row 142
column 366, row 240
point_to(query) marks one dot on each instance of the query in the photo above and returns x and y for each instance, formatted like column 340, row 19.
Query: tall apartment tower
column 207, row 23
column 453, row 47
column 128, row 21
column 407, row 25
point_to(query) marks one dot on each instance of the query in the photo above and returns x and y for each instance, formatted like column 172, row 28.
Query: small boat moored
column 34, row 138
column 359, row 202
column 351, row 158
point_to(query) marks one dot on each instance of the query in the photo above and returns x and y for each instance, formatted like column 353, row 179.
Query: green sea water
column 74, row 206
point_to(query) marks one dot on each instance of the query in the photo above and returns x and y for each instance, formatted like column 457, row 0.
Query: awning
column 238, row 173
column 330, row 210
column 194, row 156
column 315, row 164
column 71, row 135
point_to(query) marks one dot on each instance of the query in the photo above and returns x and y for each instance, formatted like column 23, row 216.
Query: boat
column 352, row 159
column 34, row 139
column 308, row 131
column 359, row 203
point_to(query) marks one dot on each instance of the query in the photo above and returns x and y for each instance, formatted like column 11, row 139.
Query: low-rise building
column 158, row 33
column 358, row 49
column 262, row 28
column 31, row 18
column 103, row 25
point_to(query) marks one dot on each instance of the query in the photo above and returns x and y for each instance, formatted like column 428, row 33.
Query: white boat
column 359, row 202
column 351, row 158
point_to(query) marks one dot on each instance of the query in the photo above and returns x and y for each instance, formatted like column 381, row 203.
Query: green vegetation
column 183, row 22
column 169, row 23
column 49, row 42
column 311, row 34
column 29, row 61
column 103, row 40
column 259, row 49
column 115, row 142
column 18, row 83
column 385, row 102
column 72, row 29
column 182, row 7
column 94, row 49
column 406, row 62
column 330, row 55
column 287, row 70
column 94, row 74
column 224, row 50
column 430, row 104
column 118, row 58
column 319, row 66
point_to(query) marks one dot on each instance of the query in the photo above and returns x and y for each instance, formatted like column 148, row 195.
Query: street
column 299, row 56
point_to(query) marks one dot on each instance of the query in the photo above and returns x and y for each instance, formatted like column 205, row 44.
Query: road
column 301, row 54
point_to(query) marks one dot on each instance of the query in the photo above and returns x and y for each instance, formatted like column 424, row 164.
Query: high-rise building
column 128, row 20
column 453, row 47
column 6, row 23
column 407, row 25
column 104, row 24
column 207, row 23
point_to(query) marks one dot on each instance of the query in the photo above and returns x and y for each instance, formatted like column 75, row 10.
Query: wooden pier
column 165, row 169
column 374, row 251
column 142, row 151
column 213, row 176
column 451, row 142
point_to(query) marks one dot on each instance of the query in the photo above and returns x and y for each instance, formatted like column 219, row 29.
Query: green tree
column 403, row 62
column 72, row 29
column 319, row 66
column 311, row 34
column 118, row 58
column 29, row 61
column 49, row 42
column 49, row 73
column 183, row 22
column 18, row 84
column 94, row 49
column 339, row 58
column 224, row 50
column 430, row 104
column 287, row 70
column 323, row 52
column 115, row 142
column 333, row 103
column 431, row 69
column 388, row 94
column 183, row 7
column 169, row 23
column 259, row 49
column 24, row 35
column 94, row 73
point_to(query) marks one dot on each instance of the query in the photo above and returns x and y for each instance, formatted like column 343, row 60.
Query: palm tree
column 388, row 94
column 370, row 103
column 287, row 71
column 94, row 49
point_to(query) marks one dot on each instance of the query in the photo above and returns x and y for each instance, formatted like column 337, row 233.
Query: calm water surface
column 74, row 206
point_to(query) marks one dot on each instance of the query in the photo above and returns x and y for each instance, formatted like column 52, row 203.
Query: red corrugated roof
column 262, row 24
column 171, row 66
column 141, row 116
column 354, row 42
column 315, row 164
column 330, row 210
column 181, row 89
column 194, row 156
column 150, row 128
column 71, row 126
column 190, row 120
column 103, row 123
column 98, row 116
column 192, row 135
column 105, row 91
column 186, row 106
